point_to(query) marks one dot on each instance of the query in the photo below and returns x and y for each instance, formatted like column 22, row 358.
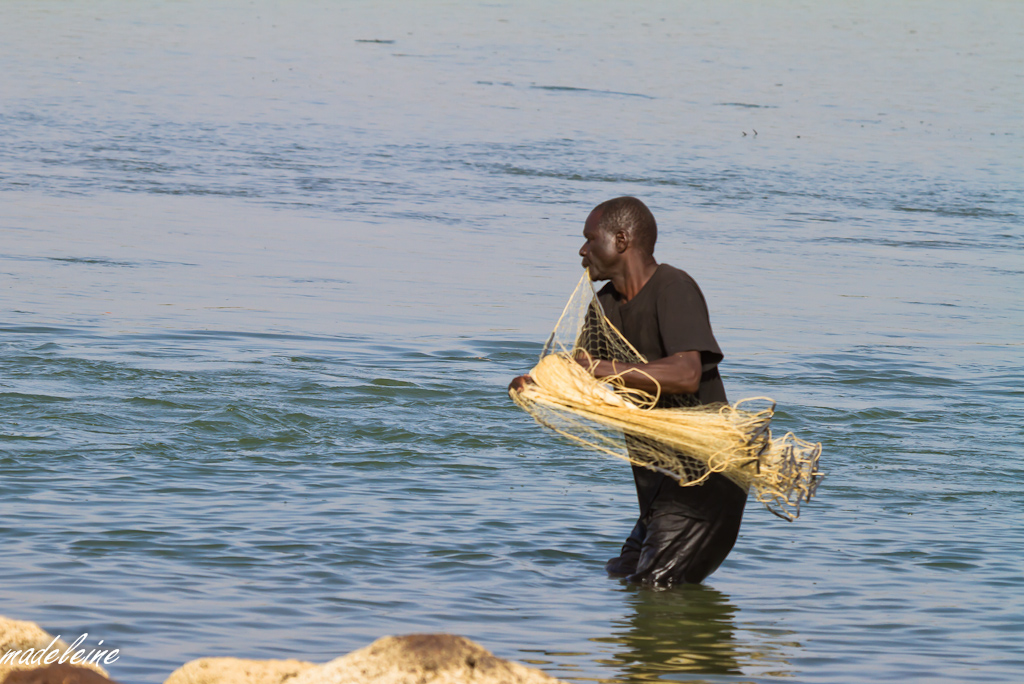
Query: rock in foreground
column 55, row 674
column 414, row 659
column 422, row 659
column 238, row 671
column 26, row 639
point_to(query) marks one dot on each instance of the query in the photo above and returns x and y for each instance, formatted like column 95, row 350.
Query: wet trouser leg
column 680, row 548
column 683, row 534
column 625, row 563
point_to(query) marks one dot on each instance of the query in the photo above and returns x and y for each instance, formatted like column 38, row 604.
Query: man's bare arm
column 676, row 374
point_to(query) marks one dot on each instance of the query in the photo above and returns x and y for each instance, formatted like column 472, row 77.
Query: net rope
column 667, row 433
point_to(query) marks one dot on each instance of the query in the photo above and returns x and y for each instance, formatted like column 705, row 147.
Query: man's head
column 615, row 231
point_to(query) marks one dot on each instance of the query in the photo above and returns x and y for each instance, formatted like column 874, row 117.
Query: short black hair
column 632, row 216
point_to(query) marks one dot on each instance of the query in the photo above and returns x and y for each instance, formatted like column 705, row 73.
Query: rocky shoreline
column 412, row 659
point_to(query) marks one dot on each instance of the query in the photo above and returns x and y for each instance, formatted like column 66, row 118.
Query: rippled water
column 267, row 269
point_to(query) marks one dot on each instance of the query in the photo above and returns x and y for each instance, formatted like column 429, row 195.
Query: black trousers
column 683, row 534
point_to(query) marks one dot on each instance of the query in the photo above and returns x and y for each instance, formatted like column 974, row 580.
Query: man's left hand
column 519, row 384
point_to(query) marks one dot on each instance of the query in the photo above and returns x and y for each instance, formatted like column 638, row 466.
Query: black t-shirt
column 668, row 316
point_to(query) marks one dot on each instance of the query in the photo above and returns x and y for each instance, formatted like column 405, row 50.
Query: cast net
column 666, row 433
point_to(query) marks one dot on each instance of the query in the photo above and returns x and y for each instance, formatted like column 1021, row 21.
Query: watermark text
column 53, row 654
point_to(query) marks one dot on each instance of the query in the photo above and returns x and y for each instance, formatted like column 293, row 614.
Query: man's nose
column 583, row 250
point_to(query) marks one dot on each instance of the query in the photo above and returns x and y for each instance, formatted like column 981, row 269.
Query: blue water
column 265, row 271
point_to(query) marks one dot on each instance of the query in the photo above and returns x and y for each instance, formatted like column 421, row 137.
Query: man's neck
column 634, row 276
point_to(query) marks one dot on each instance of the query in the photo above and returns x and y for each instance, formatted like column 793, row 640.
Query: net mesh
column 671, row 434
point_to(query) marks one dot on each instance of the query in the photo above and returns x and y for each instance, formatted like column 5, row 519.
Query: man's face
column 598, row 252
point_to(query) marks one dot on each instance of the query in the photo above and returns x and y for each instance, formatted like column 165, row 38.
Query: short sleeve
column 683, row 321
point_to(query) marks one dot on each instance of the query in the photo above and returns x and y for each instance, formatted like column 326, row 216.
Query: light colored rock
column 55, row 674
column 422, row 659
column 19, row 635
column 238, row 671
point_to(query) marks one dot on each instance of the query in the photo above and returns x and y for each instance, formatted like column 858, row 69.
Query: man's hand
column 520, row 383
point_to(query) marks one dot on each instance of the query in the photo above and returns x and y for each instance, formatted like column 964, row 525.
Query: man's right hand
column 520, row 383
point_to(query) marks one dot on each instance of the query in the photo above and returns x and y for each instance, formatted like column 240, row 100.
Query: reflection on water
column 686, row 630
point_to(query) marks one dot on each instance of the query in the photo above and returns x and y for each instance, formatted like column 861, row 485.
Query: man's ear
column 621, row 241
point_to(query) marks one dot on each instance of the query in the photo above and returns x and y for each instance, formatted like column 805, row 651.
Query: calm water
column 266, row 268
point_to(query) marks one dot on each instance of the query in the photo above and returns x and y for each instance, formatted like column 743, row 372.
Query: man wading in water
column 683, row 533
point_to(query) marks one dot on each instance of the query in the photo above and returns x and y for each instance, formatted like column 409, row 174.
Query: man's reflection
column 687, row 629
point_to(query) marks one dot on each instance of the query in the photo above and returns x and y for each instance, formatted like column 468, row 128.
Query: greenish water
column 264, row 283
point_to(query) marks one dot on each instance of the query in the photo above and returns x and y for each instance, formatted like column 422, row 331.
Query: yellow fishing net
column 659, row 432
